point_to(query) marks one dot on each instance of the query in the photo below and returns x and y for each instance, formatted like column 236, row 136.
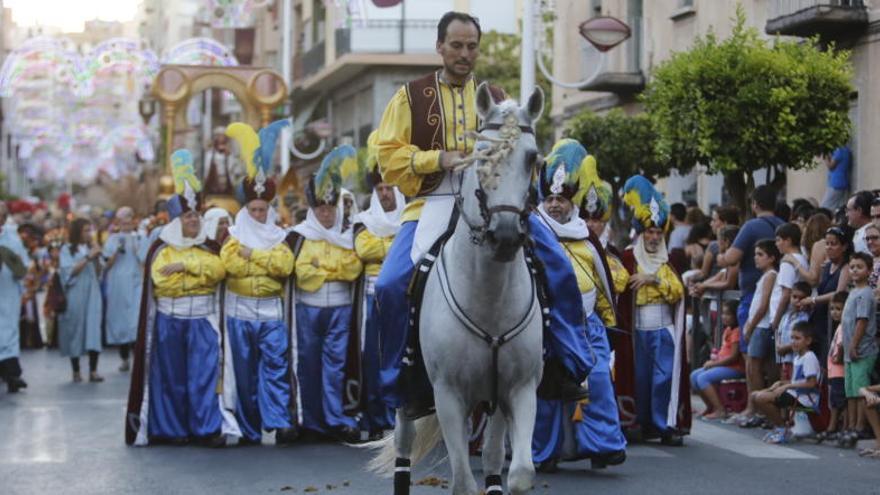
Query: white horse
column 481, row 322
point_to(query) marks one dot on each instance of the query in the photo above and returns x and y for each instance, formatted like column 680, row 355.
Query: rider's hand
column 449, row 159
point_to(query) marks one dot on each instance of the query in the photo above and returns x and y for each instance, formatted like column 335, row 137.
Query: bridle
column 478, row 230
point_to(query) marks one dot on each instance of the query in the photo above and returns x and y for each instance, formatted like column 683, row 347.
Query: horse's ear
column 484, row 100
column 535, row 105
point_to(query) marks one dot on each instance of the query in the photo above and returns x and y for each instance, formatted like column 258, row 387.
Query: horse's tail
column 427, row 436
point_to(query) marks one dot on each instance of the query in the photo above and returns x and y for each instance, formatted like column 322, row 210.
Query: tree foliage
column 499, row 64
column 623, row 145
column 744, row 104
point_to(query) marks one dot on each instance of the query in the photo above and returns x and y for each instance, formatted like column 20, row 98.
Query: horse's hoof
column 493, row 485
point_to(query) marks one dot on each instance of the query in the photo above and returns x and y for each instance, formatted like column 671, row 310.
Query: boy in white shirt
column 802, row 390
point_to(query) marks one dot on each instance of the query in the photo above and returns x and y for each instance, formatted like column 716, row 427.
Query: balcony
column 387, row 36
column 622, row 74
column 312, row 61
column 828, row 18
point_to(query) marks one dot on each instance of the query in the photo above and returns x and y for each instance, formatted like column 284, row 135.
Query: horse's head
column 504, row 159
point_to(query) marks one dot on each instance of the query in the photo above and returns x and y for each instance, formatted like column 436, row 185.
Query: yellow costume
column 203, row 270
column 587, row 276
column 669, row 291
column 336, row 265
column 403, row 163
column 262, row 275
column 372, row 251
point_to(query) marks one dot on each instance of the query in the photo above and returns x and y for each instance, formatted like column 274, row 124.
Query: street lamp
column 603, row 32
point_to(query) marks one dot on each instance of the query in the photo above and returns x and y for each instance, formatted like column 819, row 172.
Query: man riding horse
column 424, row 133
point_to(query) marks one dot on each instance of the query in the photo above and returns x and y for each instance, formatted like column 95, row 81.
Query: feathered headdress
column 594, row 198
column 560, row 174
column 648, row 205
column 372, row 174
column 256, row 153
column 325, row 184
column 187, row 187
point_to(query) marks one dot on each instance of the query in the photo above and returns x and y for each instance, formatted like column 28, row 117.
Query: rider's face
column 460, row 49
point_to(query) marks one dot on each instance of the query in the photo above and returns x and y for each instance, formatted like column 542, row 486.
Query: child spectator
column 757, row 332
column 784, row 354
column 802, row 390
column 728, row 365
column 788, row 241
column 859, row 343
column 836, row 371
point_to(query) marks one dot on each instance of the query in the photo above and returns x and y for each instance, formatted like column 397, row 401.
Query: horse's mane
column 490, row 157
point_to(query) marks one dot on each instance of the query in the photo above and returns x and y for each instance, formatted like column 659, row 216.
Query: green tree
column 623, row 146
column 746, row 104
column 499, row 64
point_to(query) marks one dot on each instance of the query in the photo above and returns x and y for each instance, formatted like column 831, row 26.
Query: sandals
column 847, row 439
column 872, row 453
column 751, row 422
column 826, row 435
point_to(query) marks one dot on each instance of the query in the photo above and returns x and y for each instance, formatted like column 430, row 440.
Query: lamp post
column 603, row 32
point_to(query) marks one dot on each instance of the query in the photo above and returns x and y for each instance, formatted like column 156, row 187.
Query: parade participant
column 79, row 325
column 217, row 223
column 423, row 134
column 374, row 230
column 326, row 265
column 220, row 165
column 657, row 369
column 29, row 325
column 590, row 428
column 258, row 264
column 174, row 385
column 13, row 257
column 123, row 279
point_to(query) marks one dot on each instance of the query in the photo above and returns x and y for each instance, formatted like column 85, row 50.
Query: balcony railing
column 387, row 36
column 623, row 64
column 826, row 18
column 312, row 61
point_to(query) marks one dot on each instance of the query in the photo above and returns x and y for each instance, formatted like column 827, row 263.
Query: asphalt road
column 58, row 437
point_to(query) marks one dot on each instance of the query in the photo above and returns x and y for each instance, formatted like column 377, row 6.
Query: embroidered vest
column 428, row 122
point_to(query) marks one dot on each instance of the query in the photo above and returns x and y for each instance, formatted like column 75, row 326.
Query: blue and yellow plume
column 594, row 197
column 257, row 150
column 186, row 185
column 339, row 165
column 648, row 205
column 560, row 173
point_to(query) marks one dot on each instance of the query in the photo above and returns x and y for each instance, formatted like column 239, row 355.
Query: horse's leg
column 522, row 406
column 452, row 414
column 404, row 436
column 493, row 453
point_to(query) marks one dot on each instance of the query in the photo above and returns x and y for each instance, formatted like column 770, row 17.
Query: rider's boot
column 558, row 384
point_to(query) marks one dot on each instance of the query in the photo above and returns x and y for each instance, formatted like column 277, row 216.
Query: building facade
column 661, row 27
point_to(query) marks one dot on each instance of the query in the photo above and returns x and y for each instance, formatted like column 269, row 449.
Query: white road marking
column 742, row 443
column 37, row 436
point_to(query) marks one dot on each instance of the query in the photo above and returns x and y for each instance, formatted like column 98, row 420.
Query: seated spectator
column 836, row 372
column 784, row 353
column 728, row 365
column 802, row 390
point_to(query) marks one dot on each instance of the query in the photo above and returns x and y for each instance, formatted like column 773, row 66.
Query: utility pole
column 287, row 35
column 527, row 52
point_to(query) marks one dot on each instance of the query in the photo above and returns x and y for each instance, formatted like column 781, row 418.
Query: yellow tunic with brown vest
column 425, row 117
